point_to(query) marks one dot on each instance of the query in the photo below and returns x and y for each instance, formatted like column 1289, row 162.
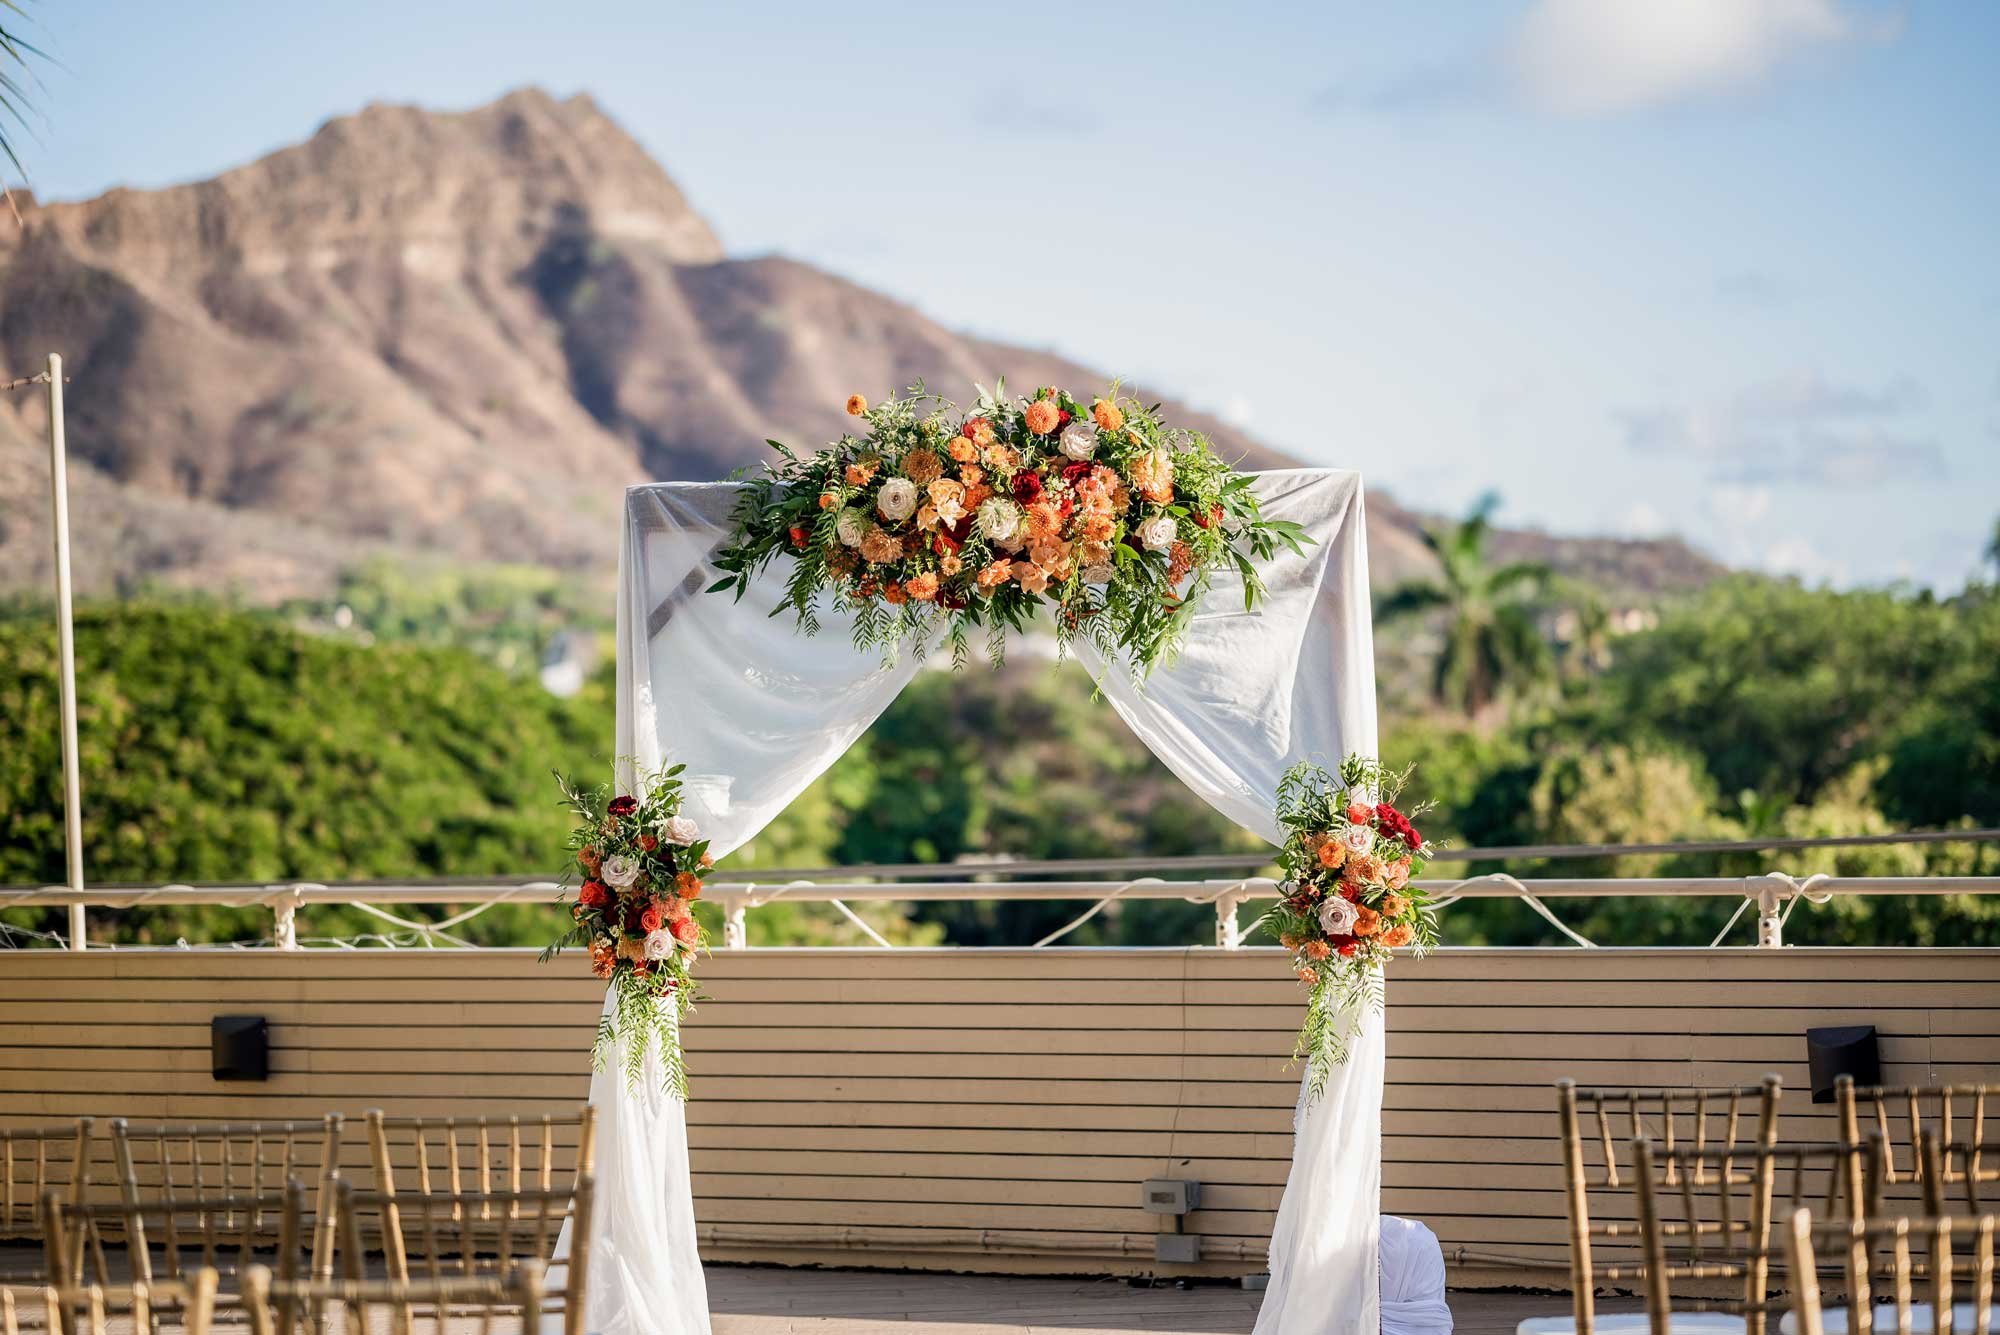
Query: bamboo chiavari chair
column 280, row 1308
column 473, row 1235
column 93, row 1310
column 1902, row 1115
column 1857, row 1243
column 1705, row 1220
column 196, row 1161
column 224, row 1233
column 455, row 1155
column 35, row 1161
column 1701, row 1119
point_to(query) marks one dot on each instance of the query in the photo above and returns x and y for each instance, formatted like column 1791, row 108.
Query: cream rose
column 660, row 945
column 1358, row 838
column 680, row 830
column 1078, row 441
column 897, row 500
column 1337, row 917
column 1098, row 574
column 851, row 527
column 1157, row 534
column 619, row 870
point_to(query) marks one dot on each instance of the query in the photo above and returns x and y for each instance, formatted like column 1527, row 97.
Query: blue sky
column 1719, row 267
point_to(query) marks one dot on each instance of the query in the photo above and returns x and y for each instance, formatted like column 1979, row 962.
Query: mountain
column 461, row 334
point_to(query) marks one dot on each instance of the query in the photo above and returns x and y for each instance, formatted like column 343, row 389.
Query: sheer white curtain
column 756, row 710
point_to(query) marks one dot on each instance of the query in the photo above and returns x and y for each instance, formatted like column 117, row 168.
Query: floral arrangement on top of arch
column 937, row 520
column 1347, row 901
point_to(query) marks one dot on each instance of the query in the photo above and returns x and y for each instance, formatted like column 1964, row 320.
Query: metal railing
column 1773, row 896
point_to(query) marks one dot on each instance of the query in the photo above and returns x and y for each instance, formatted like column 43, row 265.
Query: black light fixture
column 1849, row 1050
column 241, row 1046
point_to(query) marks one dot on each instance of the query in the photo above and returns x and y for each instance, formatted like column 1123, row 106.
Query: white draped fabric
column 756, row 710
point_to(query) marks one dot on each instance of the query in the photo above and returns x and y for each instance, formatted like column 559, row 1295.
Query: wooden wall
column 997, row 1109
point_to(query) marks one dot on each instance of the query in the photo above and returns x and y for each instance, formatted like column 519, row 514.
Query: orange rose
column 1106, row 415
column 1332, row 853
column 1399, row 935
column 922, row 587
column 1042, row 417
column 856, row 405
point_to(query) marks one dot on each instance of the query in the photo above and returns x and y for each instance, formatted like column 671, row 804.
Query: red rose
column 652, row 917
column 1075, row 473
column 1347, row 949
column 622, row 805
column 594, row 894
column 1068, row 506
column 648, row 842
column 798, row 537
column 686, row 930
column 1027, row 487
column 1062, row 417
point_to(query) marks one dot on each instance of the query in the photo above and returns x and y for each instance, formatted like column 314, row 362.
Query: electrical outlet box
column 1177, row 1248
column 1169, row 1195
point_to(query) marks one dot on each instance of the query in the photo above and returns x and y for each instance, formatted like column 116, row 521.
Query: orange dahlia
column 1106, row 415
column 856, row 405
column 1043, row 416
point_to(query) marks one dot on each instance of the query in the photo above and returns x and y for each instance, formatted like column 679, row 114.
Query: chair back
column 443, row 1306
column 34, row 1163
column 1937, row 1259
column 1599, row 1128
column 1955, row 1115
column 455, row 1155
column 199, row 1161
column 1705, row 1218
column 95, row 1310
column 188, row 1233
column 471, row 1235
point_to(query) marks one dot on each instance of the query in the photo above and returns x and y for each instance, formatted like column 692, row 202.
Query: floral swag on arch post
column 1231, row 660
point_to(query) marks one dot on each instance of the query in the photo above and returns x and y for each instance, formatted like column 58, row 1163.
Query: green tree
column 15, row 75
column 1492, row 644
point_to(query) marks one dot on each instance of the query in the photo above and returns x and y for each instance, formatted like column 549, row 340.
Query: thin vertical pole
column 66, row 643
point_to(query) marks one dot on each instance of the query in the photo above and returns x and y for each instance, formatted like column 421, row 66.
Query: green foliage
column 1492, row 645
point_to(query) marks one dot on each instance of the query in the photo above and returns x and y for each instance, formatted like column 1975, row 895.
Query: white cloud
column 1599, row 57
column 1239, row 412
column 1799, row 427
column 1794, row 555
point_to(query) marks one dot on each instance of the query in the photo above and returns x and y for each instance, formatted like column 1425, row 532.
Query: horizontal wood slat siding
column 996, row 1110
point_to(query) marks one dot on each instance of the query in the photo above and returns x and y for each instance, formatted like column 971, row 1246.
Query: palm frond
column 1534, row 576
column 1411, row 600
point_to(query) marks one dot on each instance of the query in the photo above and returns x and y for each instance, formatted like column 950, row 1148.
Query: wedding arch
column 755, row 711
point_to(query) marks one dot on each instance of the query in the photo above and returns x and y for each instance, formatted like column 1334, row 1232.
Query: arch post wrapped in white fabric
column 756, row 710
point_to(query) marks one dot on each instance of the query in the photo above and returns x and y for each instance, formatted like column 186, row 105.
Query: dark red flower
column 1062, row 417
column 1395, row 825
column 1027, row 487
column 1075, row 473
column 961, row 530
column 1347, row 948
column 952, row 599
column 622, row 805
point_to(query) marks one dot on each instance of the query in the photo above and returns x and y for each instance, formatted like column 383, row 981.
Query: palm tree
column 1993, row 548
column 1492, row 643
column 14, row 101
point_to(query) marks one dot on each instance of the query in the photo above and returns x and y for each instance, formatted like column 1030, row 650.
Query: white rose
column 999, row 519
column 851, row 527
column 1358, row 838
column 1157, row 533
column 1098, row 574
column 680, row 830
column 897, row 500
column 660, row 945
column 1078, row 441
column 1337, row 917
column 619, row 870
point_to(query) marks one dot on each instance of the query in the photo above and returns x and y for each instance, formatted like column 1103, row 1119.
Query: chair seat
column 1635, row 1323
column 1834, row 1319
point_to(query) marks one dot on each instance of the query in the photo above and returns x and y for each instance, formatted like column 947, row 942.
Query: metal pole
column 66, row 646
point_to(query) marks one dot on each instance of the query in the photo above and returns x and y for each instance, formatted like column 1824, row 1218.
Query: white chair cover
column 756, row 710
column 1413, row 1300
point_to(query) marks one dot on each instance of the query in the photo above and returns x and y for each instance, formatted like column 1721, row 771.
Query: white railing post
column 285, row 909
column 1771, row 893
column 1228, row 935
column 735, row 935
column 66, row 652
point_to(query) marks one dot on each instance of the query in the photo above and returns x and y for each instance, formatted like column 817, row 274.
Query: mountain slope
column 459, row 333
